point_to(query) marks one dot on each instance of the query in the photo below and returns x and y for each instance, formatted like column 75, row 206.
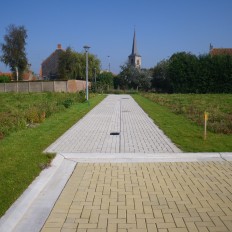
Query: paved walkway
column 135, row 181
column 173, row 197
column 120, row 114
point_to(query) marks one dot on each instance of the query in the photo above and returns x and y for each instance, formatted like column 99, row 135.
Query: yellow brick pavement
column 144, row 197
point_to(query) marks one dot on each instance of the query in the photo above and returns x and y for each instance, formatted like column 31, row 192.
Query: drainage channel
column 115, row 133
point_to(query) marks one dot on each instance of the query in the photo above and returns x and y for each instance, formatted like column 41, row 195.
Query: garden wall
column 70, row 86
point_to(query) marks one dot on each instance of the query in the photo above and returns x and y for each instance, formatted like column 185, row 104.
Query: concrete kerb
column 38, row 199
column 226, row 156
column 144, row 158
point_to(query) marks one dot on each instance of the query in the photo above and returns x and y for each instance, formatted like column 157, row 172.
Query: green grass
column 186, row 134
column 18, row 110
column 21, row 157
column 193, row 106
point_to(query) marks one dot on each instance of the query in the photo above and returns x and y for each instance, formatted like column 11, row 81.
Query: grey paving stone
column 116, row 113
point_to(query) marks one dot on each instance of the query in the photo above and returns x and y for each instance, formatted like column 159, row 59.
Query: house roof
column 57, row 51
column 221, row 51
column 6, row 73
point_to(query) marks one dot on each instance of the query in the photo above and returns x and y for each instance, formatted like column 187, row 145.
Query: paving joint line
column 66, row 157
column 222, row 157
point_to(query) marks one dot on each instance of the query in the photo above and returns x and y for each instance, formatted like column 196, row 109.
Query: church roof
column 134, row 47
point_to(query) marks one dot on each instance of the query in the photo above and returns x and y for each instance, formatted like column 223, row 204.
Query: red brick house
column 49, row 67
column 220, row 51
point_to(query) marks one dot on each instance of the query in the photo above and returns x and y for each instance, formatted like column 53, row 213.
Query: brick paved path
column 163, row 197
column 117, row 113
column 172, row 197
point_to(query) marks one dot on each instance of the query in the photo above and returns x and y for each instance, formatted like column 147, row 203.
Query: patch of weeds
column 193, row 106
column 81, row 96
column 43, row 166
column 68, row 102
column 11, row 121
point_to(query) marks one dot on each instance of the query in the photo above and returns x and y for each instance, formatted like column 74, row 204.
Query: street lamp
column 109, row 62
column 17, row 73
column 95, row 76
column 87, row 69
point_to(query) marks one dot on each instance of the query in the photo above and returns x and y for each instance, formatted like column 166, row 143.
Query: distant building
column 219, row 51
column 49, row 67
column 9, row 74
column 134, row 58
column 26, row 76
column 29, row 76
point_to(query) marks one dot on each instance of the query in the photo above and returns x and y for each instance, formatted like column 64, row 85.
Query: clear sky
column 163, row 27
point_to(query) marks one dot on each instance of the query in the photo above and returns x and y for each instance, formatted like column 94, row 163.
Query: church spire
column 134, row 46
column 134, row 58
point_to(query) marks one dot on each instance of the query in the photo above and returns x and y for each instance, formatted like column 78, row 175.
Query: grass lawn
column 21, row 157
column 184, row 132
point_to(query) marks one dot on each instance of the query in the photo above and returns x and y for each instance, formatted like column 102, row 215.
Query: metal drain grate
column 114, row 133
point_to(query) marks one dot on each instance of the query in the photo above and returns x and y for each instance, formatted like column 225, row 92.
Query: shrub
column 32, row 115
column 81, row 96
column 4, row 79
column 67, row 103
column 10, row 122
column 49, row 107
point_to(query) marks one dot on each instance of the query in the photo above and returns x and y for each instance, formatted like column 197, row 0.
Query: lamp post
column 95, row 76
column 109, row 63
column 17, row 73
column 87, row 69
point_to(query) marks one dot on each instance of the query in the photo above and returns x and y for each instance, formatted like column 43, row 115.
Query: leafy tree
column 105, row 80
column 94, row 65
column 215, row 73
column 160, row 78
column 69, row 65
column 186, row 73
column 72, row 65
column 14, row 54
column 133, row 78
column 182, row 72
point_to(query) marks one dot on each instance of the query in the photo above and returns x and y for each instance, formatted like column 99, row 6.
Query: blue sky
column 163, row 27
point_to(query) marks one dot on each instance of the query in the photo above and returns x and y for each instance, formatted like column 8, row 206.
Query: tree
column 183, row 72
column 69, row 65
column 14, row 53
column 215, row 74
column 105, row 81
column 133, row 78
column 72, row 65
column 187, row 73
column 160, row 78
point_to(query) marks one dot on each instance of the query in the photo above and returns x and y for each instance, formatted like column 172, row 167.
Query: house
column 219, row 51
column 49, row 67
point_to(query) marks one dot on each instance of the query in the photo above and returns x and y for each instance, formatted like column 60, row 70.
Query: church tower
column 134, row 58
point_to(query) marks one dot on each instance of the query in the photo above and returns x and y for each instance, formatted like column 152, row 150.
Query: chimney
column 59, row 46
